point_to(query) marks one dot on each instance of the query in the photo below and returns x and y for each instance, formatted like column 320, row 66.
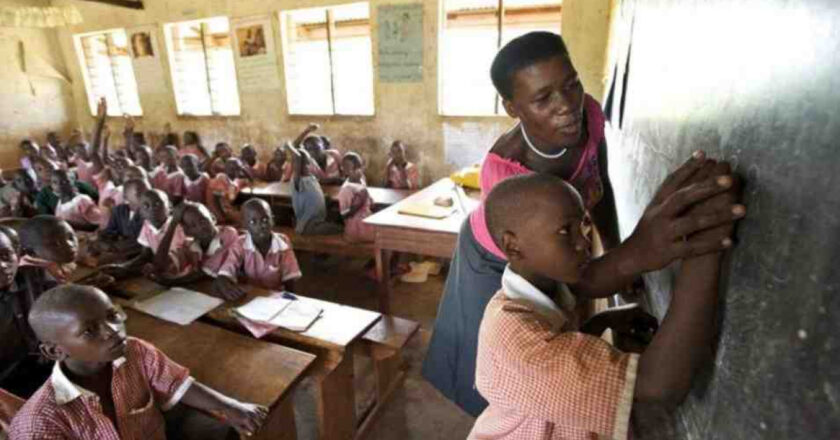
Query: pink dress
column 212, row 260
column 80, row 210
column 269, row 271
column 170, row 183
column 84, row 171
column 332, row 168
column 355, row 229
column 150, row 237
column 194, row 190
column 586, row 178
column 229, row 189
column 410, row 181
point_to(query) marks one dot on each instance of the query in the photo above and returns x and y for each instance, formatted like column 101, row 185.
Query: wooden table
column 417, row 235
column 282, row 192
column 334, row 338
column 243, row 368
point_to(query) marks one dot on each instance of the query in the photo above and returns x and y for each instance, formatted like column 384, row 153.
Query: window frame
column 88, row 82
column 330, row 26
column 499, row 12
column 170, row 57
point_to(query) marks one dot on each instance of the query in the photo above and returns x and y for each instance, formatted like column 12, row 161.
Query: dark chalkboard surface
column 758, row 83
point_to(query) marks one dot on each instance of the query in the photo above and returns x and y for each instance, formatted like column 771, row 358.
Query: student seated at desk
column 77, row 209
column 216, row 164
column 46, row 200
column 168, row 177
column 223, row 190
column 262, row 257
column 17, row 197
column 325, row 164
column 531, row 337
column 248, row 156
column 155, row 211
column 399, row 172
column 195, row 181
column 193, row 145
column 144, row 157
column 279, row 169
column 308, row 199
column 354, row 202
column 204, row 254
column 106, row 385
column 22, row 370
column 89, row 164
column 118, row 241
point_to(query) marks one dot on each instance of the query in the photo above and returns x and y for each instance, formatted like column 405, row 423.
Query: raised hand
column 101, row 108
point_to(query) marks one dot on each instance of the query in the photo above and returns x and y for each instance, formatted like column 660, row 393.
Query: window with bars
column 328, row 60
column 473, row 31
column 107, row 72
column 203, row 71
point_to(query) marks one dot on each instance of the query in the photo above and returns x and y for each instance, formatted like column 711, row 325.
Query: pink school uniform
column 213, row 259
column 332, row 168
column 170, row 183
column 194, row 190
column 354, row 227
column 228, row 188
column 411, row 180
column 144, row 383
column 84, row 171
column 150, row 237
column 81, row 209
column 269, row 271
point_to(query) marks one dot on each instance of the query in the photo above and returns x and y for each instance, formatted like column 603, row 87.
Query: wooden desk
column 282, row 192
column 416, row 235
column 243, row 368
column 334, row 338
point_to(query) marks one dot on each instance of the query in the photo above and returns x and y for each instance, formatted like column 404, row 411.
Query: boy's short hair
column 515, row 199
column 353, row 157
column 66, row 297
column 34, row 232
column 520, row 53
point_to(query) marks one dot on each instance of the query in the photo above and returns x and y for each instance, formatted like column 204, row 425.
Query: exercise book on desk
column 178, row 305
column 427, row 210
column 263, row 315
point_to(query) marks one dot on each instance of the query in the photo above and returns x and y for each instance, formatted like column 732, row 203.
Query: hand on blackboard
column 662, row 235
column 722, row 202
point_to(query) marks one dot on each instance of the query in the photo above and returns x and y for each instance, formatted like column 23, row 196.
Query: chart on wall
column 400, row 42
column 145, row 57
column 256, row 58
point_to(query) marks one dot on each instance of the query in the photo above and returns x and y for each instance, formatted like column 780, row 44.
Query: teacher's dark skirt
column 475, row 275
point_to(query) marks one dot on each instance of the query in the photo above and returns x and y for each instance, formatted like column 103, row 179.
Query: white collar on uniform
column 277, row 244
column 214, row 246
column 72, row 203
column 518, row 288
column 65, row 390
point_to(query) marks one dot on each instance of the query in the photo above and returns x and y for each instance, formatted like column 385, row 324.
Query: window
column 473, row 31
column 328, row 60
column 203, row 71
column 107, row 72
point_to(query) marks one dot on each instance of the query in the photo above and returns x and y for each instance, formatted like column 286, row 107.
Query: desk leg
column 280, row 423
column 337, row 399
column 390, row 374
column 383, row 272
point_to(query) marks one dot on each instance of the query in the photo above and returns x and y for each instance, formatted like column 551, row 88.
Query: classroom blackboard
column 758, row 83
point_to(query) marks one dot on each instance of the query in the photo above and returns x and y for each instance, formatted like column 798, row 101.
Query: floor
column 417, row 410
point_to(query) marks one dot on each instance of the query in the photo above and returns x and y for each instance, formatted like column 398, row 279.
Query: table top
column 283, row 190
column 244, row 368
column 391, row 216
column 338, row 326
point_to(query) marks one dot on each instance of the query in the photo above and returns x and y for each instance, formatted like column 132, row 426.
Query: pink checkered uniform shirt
column 81, row 209
column 213, row 259
column 150, row 237
column 268, row 271
column 145, row 382
column 355, row 229
column 194, row 190
column 411, row 180
column 170, row 183
column 542, row 378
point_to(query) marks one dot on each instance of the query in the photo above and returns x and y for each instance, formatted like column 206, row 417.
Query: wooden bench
column 327, row 244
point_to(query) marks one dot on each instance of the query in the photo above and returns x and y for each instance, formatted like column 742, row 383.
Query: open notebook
column 178, row 305
column 278, row 310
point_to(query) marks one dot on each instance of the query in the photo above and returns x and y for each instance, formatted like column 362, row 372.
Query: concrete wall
column 407, row 111
column 35, row 100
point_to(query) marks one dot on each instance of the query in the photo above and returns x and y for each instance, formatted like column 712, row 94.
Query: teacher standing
column 560, row 132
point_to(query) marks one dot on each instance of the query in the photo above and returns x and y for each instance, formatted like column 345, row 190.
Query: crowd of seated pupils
column 167, row 213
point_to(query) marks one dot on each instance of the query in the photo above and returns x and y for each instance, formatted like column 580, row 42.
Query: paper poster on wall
column 466, row 144
column 400, row 42
column 256, row 59
column 145, row 57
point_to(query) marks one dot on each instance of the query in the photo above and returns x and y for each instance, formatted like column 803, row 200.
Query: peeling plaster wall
column 36, row 100
column 406, row 111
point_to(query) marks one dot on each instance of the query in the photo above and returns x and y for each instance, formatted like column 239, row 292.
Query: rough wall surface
column 34, row 99
column 407, row 111
column 755, row 82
